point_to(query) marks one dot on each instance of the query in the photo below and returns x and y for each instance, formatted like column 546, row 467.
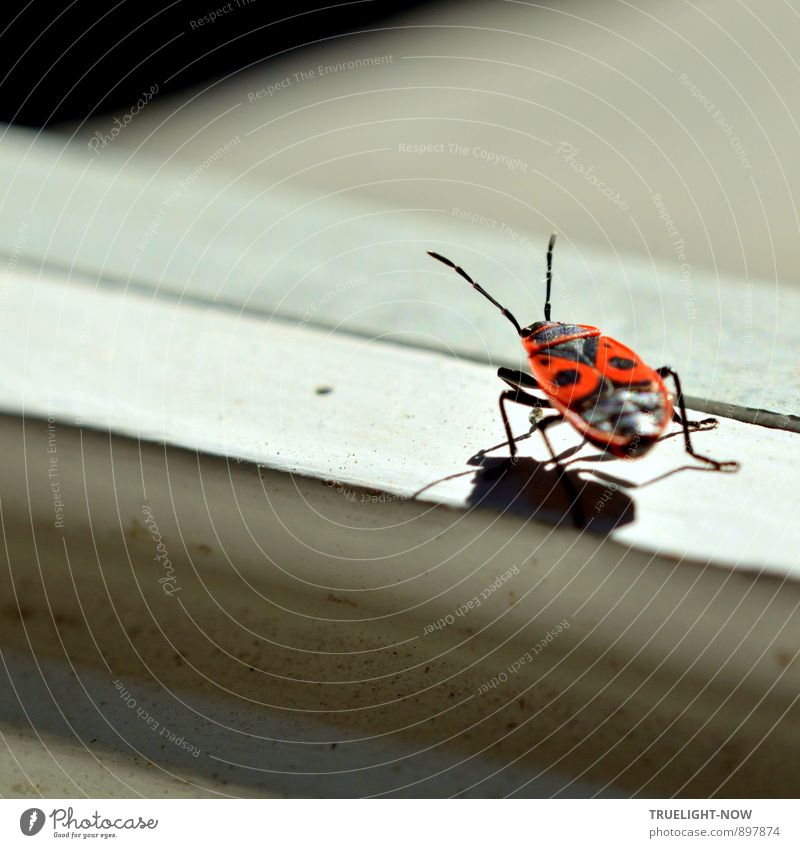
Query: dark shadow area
column 539, row 490
column 68, row 62
column 532, row 489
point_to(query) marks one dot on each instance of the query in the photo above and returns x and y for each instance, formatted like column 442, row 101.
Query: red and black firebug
column 594, row 382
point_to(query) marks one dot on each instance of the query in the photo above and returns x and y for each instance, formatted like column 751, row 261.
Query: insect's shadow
column 534, row 489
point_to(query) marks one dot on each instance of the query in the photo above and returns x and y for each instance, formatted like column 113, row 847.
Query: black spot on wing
column 621, row 362
column 567, row 377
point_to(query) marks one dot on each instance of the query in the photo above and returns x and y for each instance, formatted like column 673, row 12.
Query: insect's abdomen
column 604, row 389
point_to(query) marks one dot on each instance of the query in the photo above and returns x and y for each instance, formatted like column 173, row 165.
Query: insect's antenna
column 478, row 288
column 549, row 276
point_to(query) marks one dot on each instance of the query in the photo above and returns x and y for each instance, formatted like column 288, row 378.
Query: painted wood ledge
column 382, row 417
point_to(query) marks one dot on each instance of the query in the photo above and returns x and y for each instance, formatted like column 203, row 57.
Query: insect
column 594, row 382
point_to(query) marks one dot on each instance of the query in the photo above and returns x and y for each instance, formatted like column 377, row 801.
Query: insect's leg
column 520, row 382
column 683, row 419
column 578, row 518
column 518, row 396
column 702, row 424
column 517, row 379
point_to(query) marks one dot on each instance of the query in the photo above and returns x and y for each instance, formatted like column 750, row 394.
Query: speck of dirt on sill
column 334, row 599
column 323, row 390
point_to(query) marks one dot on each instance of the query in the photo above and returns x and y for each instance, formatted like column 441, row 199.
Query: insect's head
column 524, row 332
column 539, row 326
column 536, row 334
